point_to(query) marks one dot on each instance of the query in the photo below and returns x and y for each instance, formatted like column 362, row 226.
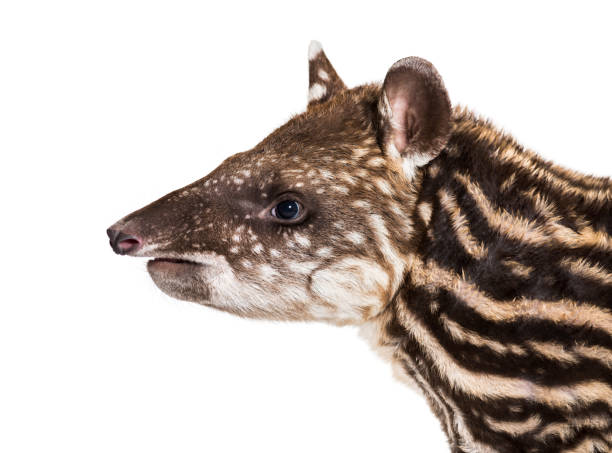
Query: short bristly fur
column 483, row 272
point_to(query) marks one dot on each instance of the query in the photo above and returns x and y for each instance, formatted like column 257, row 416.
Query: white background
column 105, row 106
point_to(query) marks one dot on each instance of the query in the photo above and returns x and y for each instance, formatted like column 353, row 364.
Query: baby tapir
column 481, row 271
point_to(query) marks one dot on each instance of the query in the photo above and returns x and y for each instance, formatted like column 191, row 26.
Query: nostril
column 123, row 243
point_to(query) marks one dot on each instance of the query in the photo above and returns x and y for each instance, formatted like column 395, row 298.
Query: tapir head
column 316, row 221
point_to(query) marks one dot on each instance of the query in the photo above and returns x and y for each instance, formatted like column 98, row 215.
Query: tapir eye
column 287, row 210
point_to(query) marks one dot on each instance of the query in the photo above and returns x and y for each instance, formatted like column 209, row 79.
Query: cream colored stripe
column 467, row 442
column 459, row 333
column 492, row 386
column 568, row 183
column 588, row 445
column 583, row 268
column 460, row 225
column 523, row 230
column 389, row 251
column 562, row 311
column 511, row 226
column 425, row 211
column 554, row 351
column 574, row 353
column 514, row 428
column 599, row 353
column 506, row 149
column 565, row 431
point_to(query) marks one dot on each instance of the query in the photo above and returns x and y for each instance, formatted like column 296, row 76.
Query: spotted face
column 312, row 223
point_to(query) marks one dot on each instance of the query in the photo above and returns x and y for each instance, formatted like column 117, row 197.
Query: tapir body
column 481, row 271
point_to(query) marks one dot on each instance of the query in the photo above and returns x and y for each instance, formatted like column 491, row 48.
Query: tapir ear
column 414, row 113
column 323, row 80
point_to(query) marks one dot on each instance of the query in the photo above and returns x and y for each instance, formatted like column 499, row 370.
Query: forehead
column 328, row 135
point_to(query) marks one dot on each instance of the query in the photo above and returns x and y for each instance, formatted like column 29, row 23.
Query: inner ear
column 415, row 113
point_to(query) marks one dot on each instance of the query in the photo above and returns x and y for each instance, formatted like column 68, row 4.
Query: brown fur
column 482, row 271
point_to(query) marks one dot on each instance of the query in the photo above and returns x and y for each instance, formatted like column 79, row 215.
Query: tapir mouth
column 175, row 260
column 172, row 264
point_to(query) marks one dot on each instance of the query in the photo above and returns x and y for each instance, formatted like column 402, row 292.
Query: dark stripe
column 490, row 173
column 472, row 141
column 481, row 359
column 539, row 256
column 521, row 330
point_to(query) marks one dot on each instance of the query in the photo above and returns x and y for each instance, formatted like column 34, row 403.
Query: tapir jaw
column 189, row 277
column 181, row 279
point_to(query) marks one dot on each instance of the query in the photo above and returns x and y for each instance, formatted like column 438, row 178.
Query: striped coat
column 483, row 272
column 505, row 318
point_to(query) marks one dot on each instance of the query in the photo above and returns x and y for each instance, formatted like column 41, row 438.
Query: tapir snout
column 123, row 243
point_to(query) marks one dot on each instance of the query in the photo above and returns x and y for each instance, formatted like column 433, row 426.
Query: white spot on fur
column 361, row 204
column 302, row 267
column 314, row 49
column 301, row 240
column 324, row 252
column 326, row 174
column 384, row 186
column 361, row 173
column 375, row 162
column 316, row 92
column 267, row 272
column 355, row 237
column 348, row 178
column 360, row 152
column 323, row 74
